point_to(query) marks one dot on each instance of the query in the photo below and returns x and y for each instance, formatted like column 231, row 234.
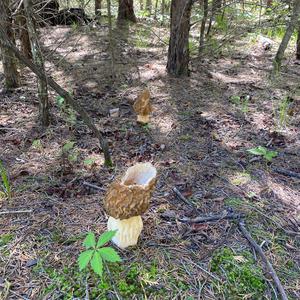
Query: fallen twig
column 96, row 187
column 182, row 198
column 287, row 173
column 204, row 219
column 264, row 258
column 8, row 212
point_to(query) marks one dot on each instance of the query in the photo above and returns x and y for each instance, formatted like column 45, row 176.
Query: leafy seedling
column 95, row 254
column 5, row 182
column 264, row 152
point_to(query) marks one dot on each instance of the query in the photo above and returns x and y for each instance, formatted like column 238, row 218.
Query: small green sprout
column 5, row 182
column 264, row 152
column 95, row 254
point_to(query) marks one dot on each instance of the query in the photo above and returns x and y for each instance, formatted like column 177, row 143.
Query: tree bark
column 11, row 74
column 149, row 6
column 126, row 11
column 24, row 37
column 215, row 9
column 7, row 44
column 203, row 23
column 178, row 53
column 298, row 44
column 287, row 36
column 38, row 59
column 97, row 8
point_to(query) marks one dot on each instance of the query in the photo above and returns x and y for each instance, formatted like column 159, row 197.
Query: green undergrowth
column 133, row 280
column 243, row 278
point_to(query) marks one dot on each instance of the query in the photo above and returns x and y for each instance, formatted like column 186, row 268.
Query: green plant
column 283, row 112
column 95, row 254
column 264, row 152
column 243, row 277
column 68, row 111
column 6, row 187
column 242, row 101
column 69, row 151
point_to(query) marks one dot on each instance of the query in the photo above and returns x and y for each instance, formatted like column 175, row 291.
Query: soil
column 198, row 136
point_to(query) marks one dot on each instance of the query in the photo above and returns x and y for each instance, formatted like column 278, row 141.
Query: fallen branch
column 259, row 250
column 204, row 219
column 182, row 198
column 93, row 186
column 8, row 212
column 287, row 173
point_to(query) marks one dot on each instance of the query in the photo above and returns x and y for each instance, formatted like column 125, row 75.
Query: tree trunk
column 203, row 23
column 39, row 61
column 11, row 74
column 269, row 3
column 111, row 41
column 155, row 9
column 126, row 12
column 215, row 9
column 178, row 54
column 24, row 37
column 298, row 44
column 149, row 6
column 287, row 36
column 97, row 9
column 7, row 44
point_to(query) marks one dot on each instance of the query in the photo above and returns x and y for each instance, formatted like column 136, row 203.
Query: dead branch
column 93, row 186
column 7, row 212
column 182, row 198
column 204, row 219
column 259, row 250
column 287, row 173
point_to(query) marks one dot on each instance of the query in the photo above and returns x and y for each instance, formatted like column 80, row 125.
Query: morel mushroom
column 143, row 107
column 126, row 200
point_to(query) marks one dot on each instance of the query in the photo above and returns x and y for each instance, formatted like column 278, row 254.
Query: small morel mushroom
column 143, row 107
column 126, row 200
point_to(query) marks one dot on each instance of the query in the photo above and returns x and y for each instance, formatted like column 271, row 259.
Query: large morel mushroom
column 126, row 200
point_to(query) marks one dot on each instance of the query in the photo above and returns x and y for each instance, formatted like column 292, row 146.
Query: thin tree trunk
column 11, row 74
column 149, row 6
column 126, row 11
column 163, row 4
column 155, row 9
column 6, row 43
column 286, row 38
column 203, row 23
column 215, row 9
column 298, row 44
column 39, row 61
column 178, row 54
column 24, row 37
column 111, row 45
column 98, row 9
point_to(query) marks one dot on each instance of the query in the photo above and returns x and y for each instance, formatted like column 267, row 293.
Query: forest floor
column 198, row 137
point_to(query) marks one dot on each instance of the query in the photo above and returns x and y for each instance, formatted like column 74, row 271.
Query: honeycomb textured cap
column 142, row 105
column 130, row 196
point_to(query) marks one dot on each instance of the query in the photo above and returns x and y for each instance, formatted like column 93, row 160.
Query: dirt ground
column 198, row 137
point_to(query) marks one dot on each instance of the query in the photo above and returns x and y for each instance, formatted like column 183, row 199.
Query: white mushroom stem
column 128, row 232
column 144, row 119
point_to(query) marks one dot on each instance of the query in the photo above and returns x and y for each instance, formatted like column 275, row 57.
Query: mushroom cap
column 142, row 104
column 130, row 196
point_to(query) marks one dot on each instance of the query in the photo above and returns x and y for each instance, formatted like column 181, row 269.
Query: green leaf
column 270, row 155
column 89, row 240
column 97, row 264
column 258, row 150
column 106, row 237
column 84, row 258
column 60, row 101
column 89, row 161
column 68, row 146
column 5, row 180
column 109, row 254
